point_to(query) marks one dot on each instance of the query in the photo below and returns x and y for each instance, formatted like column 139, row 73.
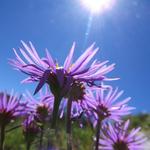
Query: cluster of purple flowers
column 73, row 90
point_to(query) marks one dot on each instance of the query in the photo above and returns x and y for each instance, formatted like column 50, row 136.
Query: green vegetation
column 82, row 137
column 142, row 120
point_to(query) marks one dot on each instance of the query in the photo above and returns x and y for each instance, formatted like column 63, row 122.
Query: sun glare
column 98, row 6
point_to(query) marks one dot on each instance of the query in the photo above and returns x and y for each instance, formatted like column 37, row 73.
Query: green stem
column 57, row 101
column 11, row 129
column 41, row 137
column 28, row 145
column 50, row 138
column 68, row 125
column 28, row 141
column 97, row 134
column 2, row 137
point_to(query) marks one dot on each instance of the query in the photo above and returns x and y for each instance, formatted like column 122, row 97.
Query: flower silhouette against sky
column 63, row 81
column 46, row 70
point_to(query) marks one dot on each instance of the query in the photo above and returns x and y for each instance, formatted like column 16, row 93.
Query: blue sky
column 123, row 35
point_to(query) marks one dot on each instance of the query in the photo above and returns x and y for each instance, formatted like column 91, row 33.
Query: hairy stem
column 50, row 139
column 28, row 145
column 68, row 125
column 2, row 137
column 28, row 141
column 97, row 134
column 41, row 137
column 57, row 101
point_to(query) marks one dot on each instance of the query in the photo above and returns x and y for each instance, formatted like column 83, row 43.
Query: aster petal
column 42, row 81
column 35, row 54
column 32, row 52
column 133, row 132
column 82, row 58
column 10, row 107
column 26, row 56
column 124, row 138
column 86, row 61
column 68, row 60
column 50, row 59
column 102, row 102
column 18, row 57
column 123, row 102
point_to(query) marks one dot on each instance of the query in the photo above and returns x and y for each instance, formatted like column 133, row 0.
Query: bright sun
column 98, row 6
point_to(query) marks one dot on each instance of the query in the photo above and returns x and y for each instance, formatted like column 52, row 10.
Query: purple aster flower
column 39, row 111
column 45, row 70
column 103, row 106
column 30, row 130
column 30, row 125
column 10, row 108
column 40, row 107
column 63, row 81
column 118, row 137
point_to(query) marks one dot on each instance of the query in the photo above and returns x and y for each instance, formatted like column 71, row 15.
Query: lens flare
column 98, row 6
